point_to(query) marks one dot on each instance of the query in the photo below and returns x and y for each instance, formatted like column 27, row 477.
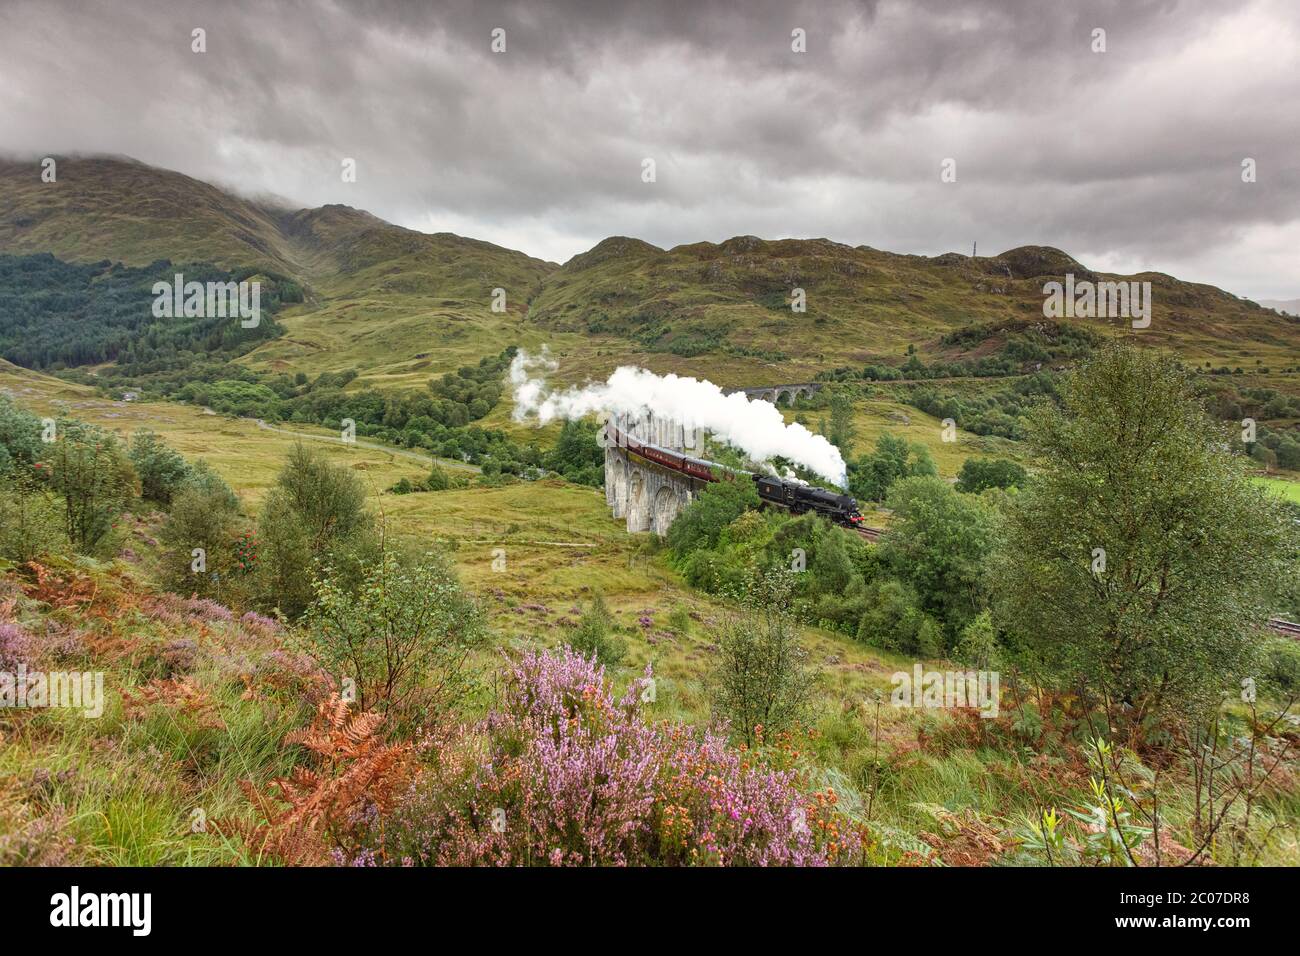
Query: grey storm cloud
column 1128, row 159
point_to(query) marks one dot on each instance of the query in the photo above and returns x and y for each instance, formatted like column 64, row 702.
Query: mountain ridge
column 394, row 302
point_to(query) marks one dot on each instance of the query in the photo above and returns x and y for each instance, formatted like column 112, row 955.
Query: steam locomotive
column 796, row 497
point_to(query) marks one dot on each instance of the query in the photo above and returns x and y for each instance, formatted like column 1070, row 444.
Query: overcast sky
column 1128, row 159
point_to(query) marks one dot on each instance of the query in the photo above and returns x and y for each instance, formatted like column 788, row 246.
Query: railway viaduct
column 647, row 495
column 650, row 497
column 776, row 394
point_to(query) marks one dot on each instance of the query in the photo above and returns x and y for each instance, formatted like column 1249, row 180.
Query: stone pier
column 646, row 494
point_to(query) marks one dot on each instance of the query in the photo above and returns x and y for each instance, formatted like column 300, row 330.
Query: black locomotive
column 795, row 496
column 799, row 498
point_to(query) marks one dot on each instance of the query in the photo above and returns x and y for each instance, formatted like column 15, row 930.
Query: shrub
column 871, row 476
column 20, row 437
column 31, row 522
column 977, row 646
column 201, row 517
column 592, row 638
column 577, row 454
column 977, row 474
column 314, row 516
column 403, row 634
column 701, row 523
column 712, row 572
column 762, row 684
column 437, row 480
column 894, row 621
column 162, row 470
column 830, row 566
column 840, row 610
column 939, row 543
column 287, row 564
column 1133, row 471
column 679, row 620
column 328, row 499
column 203, row 478
column 1281, row 670
column 92, row 473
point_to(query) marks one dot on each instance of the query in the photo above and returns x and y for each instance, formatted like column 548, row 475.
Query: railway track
column 1288, row 628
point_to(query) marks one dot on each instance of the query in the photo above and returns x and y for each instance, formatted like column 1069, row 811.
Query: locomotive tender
column 794, row 496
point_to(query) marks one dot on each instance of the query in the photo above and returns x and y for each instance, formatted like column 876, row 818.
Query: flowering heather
column 168, row 608
column 205, row 609
column 175, row 610
column 260, row 624
column 16, row 646
column 28, row 840
column 62, row 641
column 565, row 774
column 180, row 655
column 289, row 672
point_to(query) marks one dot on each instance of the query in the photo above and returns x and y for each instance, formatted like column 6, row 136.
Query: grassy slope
column 397, row 305
column 119, row 209
column 556, row 558
column 1285, row 487
column 402, row 306
column 543, row 566
column 132, row 807
column 246, row 456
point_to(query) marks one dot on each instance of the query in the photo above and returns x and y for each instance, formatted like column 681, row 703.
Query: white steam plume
column 756, row 427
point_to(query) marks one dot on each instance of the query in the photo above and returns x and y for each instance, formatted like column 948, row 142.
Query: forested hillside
column 60, row 314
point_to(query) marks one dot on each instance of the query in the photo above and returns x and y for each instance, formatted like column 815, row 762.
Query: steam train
column 794, row 496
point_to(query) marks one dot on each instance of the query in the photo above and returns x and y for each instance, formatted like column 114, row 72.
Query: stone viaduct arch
column 780, row 394
column 647, row 495
column 667, row 504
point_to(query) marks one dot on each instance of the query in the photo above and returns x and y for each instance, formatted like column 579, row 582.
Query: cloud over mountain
column 1130, row 158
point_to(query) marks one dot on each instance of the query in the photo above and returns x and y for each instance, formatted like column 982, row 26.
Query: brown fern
column 58, row 591
column 179, row 695
column 353, row 770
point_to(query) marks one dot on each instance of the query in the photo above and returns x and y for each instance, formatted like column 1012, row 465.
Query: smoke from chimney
column 756, row 427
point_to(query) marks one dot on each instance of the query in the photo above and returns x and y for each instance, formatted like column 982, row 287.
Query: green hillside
column 373, row 306
column 400, row 305
column 733, row 300
column 396, row 303
column 116, row 208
